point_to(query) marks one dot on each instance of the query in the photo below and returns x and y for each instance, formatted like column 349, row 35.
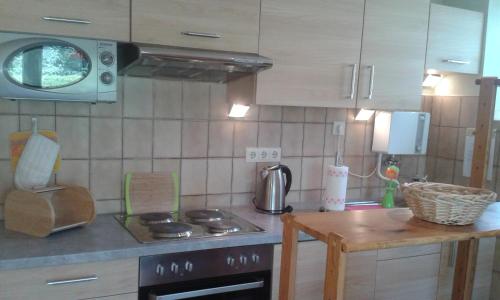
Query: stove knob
column 243, row 259
column 255, row 258
column 160, row 270
column 174, row 268
column 230, row 261
column 188, row 266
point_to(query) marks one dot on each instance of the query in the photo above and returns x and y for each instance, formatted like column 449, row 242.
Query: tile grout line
column 181, row 144
column 209, row 124
column 122, row 116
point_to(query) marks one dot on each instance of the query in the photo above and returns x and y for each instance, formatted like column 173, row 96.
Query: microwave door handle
column 209, row 291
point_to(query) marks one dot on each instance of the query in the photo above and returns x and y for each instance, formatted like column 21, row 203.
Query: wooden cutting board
column 151, row 192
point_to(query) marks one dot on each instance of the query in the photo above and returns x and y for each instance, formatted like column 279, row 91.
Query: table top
column 389, row 228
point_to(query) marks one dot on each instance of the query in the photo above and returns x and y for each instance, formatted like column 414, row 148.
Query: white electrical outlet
column 263, row 154
column 338, row 128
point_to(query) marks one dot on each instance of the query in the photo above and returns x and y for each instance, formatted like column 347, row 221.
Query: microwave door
column 48, row 69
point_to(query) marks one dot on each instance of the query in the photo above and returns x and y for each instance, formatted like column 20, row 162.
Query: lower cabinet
column 108, row 280
column 401, row 273
column 482, row 277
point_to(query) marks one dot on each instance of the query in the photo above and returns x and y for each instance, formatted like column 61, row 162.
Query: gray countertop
column 106, row 239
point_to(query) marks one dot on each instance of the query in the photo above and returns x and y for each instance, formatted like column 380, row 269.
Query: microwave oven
column 52, row 68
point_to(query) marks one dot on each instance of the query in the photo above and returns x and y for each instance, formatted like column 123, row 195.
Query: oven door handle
column 209, row 291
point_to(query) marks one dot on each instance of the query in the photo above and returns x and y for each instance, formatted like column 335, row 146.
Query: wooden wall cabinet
column 96, row 19
column 393, row 55
column 399, row 274
column 229, row 25
column 455, row 39
column 324, row 56
column 315, row 48
column 110, row 280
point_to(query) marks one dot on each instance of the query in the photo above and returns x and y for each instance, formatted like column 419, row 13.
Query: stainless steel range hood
column 144, row 60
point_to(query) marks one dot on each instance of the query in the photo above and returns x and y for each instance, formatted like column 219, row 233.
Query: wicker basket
column 446, row 203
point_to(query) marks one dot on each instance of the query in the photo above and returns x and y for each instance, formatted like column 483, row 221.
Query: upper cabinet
column 229, row 25
column 393, row 55
column 97, row 19
column 455, row 39
column 315, row 46
column 324, row 56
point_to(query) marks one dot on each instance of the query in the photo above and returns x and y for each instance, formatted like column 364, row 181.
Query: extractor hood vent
column 143, row 60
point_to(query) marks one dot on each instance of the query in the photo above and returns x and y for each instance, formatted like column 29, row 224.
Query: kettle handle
column 288, row 175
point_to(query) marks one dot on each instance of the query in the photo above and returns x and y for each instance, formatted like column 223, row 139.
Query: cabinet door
column 315, row 46
column 98, row 19
column 393, row 55
column 90, row 280
column 230, row 25
column 407, row 278
column 311, row 267
column 455, row 38
column 311, row 262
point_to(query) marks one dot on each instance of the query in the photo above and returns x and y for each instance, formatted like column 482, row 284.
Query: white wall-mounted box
column 401, row 132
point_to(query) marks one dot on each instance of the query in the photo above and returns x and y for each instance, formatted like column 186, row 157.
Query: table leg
column 335, row 269
column 465, row 268
column 288, row 259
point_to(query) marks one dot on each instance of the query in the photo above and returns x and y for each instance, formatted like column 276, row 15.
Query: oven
column 236, row 273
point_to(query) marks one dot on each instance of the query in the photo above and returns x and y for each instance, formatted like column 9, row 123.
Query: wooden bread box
column 42, row 212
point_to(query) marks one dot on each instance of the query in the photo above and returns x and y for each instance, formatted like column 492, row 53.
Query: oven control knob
column 188, row 266
column 160, row 270
column 230, row 261
column 107, row 58
column 107, row 78
column 174, row 268
column 243, row 259
column 255, row 258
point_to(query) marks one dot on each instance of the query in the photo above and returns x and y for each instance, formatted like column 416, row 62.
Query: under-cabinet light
column 364, row 114
column 238, row 110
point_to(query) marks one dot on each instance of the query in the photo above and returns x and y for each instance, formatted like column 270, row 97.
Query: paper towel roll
column 336, row 187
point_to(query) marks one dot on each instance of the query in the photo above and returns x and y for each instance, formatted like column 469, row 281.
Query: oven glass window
column 47, row 65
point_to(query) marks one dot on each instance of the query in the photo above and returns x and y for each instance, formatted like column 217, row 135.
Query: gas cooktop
column 192, row 224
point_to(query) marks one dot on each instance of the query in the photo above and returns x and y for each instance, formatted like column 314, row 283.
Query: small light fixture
column 432, row 78
column 364, row 114
column 238, row 110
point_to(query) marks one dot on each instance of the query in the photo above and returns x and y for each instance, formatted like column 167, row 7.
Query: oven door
column 246, row 287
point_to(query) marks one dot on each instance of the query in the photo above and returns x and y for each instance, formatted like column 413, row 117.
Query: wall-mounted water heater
column 401, row 132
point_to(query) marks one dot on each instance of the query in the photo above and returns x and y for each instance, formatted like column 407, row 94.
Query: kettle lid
column 273, row 168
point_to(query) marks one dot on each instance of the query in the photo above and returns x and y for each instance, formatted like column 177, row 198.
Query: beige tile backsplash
column 159, row 125
column 451, row 116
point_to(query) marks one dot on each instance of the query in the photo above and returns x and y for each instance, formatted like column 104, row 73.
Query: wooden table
column 353, row 231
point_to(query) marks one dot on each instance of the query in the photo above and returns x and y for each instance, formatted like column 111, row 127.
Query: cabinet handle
column 372, row 81
column 202, row 34
column 353, row 81
column 66, row 20
column 456, row 61
column 73, row 280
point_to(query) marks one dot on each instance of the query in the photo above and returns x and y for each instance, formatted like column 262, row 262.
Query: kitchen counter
column 106, row 239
